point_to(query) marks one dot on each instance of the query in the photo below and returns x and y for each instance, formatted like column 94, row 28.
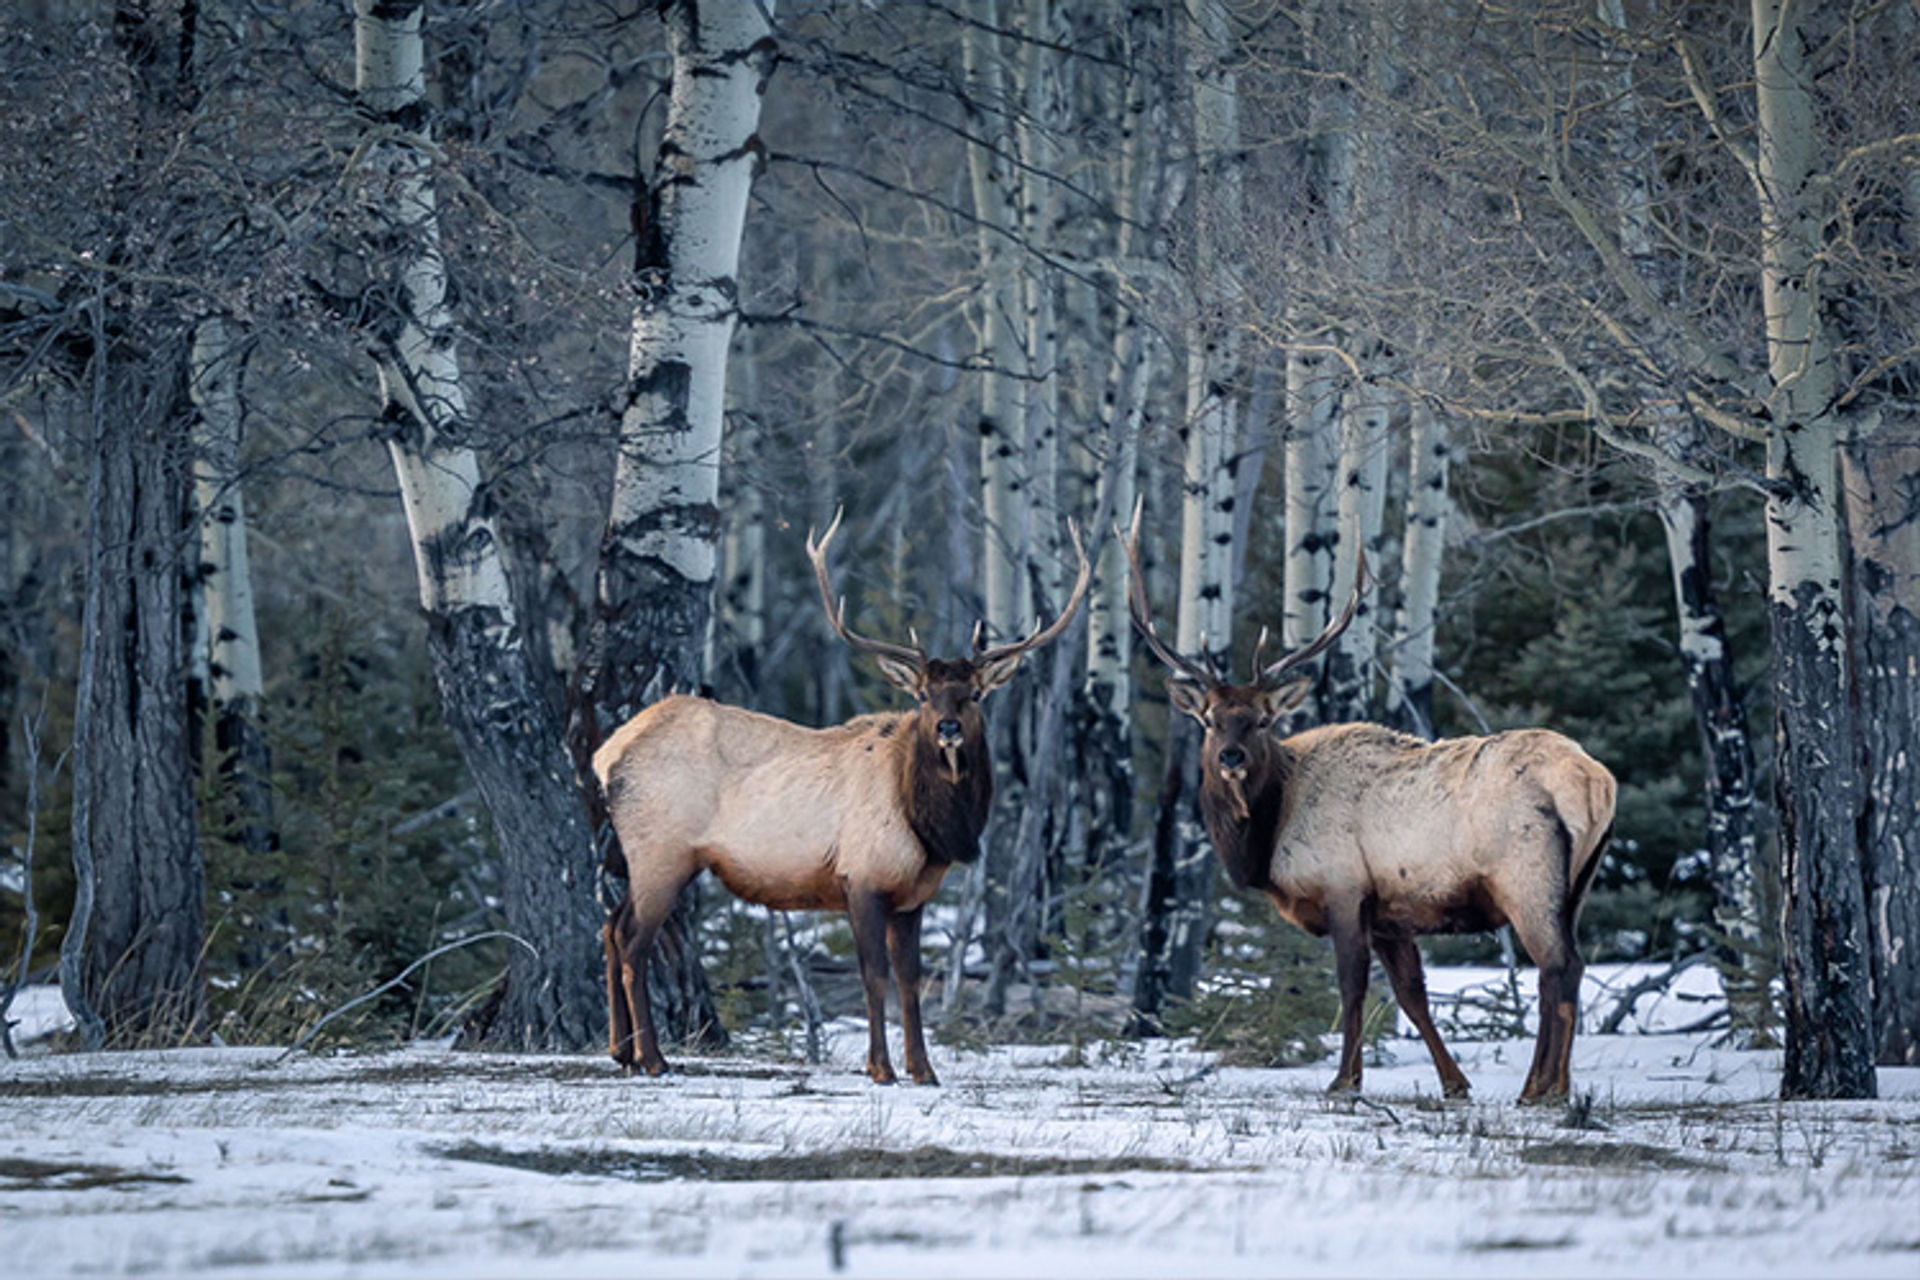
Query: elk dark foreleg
column 1400, row 957
column 903, row 945
column 868, row 912
column 1351, row 960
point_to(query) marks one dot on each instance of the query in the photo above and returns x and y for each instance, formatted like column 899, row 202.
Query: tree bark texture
column 508, row 731
column 1882, row 474
column 1429, row 451
column 659, row 561
column 1002, row 424
column 133, row 814
column 1829, row 1050
column 236, row 687
column 1743, row 951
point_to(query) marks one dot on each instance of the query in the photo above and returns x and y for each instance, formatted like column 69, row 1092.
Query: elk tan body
column 1373, row 838
column 864, row 817
column 783, row 815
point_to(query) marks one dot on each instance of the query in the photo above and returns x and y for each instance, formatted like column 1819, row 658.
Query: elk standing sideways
column 864, row 817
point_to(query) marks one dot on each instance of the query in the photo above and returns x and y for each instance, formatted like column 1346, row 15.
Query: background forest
column 399, row 396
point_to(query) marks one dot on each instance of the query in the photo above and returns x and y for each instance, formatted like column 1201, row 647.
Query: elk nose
column 1233, row 758
column 948, row 729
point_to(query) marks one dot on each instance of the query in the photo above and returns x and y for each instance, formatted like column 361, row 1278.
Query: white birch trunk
column 1429, row 451
column 1314, row 379
column 1002, row 426
column 663, row 525
column 1829, row 1008
column 233, row 642
column 1205, row 622
column 501, row 719
column 234, row 682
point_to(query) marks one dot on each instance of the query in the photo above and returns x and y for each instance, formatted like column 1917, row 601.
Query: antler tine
column 837, row 617
column 1259, row 647
column 1047, row 634
column 1361, row 581
column 1142, row 619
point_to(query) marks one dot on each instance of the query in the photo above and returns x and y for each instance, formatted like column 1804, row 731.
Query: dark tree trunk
column 510, row 739
column 1882, row 476
column 139, row 966
column 648, row 639
column 1829, row 1008
column 1178, row 891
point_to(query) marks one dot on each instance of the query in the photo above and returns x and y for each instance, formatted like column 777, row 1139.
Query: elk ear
column 1277, row 702
column 1188, row 697
column 995, row 674
column 900, row 673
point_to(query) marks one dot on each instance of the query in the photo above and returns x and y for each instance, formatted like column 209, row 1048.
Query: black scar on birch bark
column 1720, row 718
column 1829, row 1049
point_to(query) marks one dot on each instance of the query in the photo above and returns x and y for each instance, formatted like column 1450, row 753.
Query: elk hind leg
column 1400, row 957
column 903, row 945
column 619, row 1011
column 1550, row 942
column 652, row 899
column 868, row 913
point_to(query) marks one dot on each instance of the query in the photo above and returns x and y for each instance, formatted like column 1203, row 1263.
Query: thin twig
column 396, row 980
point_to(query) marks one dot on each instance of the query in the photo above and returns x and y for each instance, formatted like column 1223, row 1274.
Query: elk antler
column 1143, row 619
column 1269, row 677
column 1040, row 636
column 817, row 552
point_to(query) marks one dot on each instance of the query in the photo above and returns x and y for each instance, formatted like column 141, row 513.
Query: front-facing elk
column 1375, row 837
column 864, row 817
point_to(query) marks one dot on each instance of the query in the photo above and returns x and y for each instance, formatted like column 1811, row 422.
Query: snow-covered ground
column 1150, row 1160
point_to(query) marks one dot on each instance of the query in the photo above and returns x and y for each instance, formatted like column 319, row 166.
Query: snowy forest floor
column 1148, row 1160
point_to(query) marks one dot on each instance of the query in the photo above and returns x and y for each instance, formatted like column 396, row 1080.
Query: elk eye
column 1264, row 722
column 977, row 695
column 920, row 696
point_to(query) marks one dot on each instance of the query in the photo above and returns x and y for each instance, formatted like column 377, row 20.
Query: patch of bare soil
column 825, row 1166
column 43, row 1175
column 1624, row 1157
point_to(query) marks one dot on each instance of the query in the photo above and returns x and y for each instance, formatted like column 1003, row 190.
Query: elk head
column 947, row 693
column 1239, row 753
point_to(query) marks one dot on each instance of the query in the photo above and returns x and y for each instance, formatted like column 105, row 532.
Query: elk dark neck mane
column 946, row 814
column 1246, row 844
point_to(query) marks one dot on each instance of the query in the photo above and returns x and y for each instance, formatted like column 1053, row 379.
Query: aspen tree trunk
column 659, row 560
column 235, row 688
column 1882, row 476
column 1002, row 426
column 1410, row 693
column 1179, row 889
column 744, row 602
column 1829, row 1051
column 1742, row 951
column 1365, row 446
column 1314, row 379
column 508, row 732
column 1019, row 914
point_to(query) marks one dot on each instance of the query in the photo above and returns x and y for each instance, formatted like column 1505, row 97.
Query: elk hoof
column 655, row 1066
column 925, row 1076
column 1456, row 1090
column 1344, row 1089
column 880, row 1073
